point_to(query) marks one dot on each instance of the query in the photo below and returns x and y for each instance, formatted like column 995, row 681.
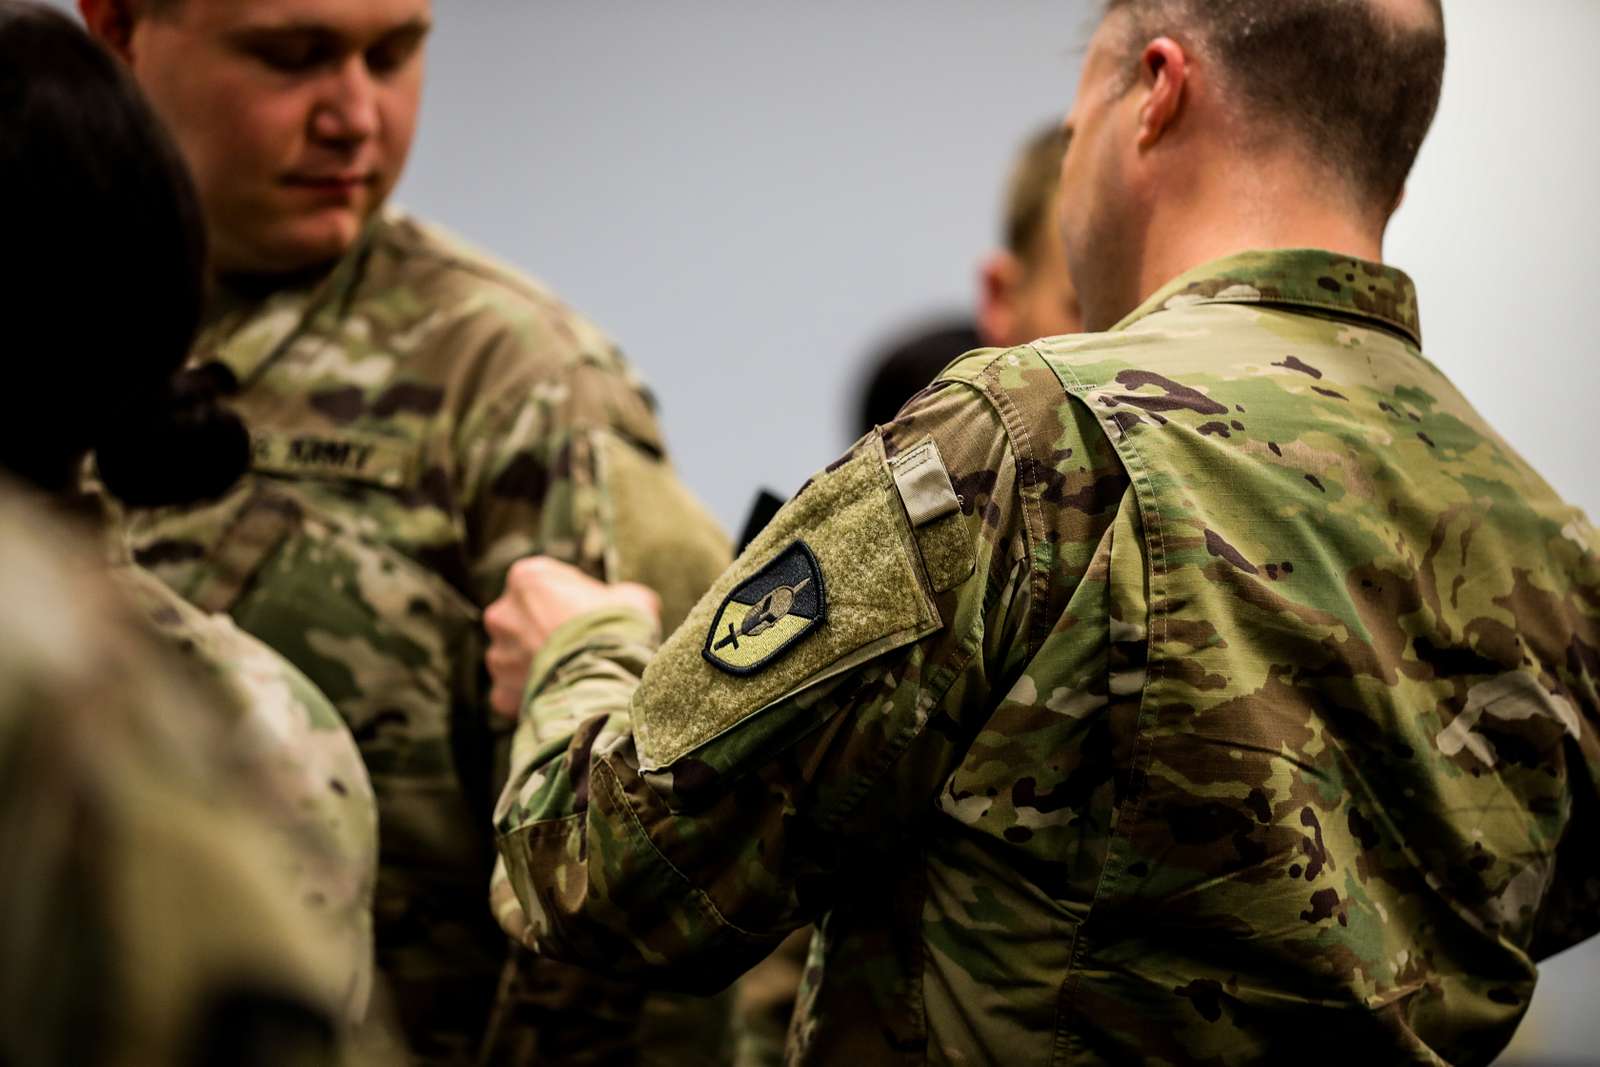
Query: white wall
column 749, row 193
column 745, row 193
column 1501, row 229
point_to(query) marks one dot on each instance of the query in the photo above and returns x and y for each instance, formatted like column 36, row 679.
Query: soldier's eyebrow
column 412, row 32
column 397, row 44
column 284, row 34
column 322, row 35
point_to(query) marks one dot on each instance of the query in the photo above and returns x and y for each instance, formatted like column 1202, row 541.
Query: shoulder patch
column 849, row 525
column 780, row 605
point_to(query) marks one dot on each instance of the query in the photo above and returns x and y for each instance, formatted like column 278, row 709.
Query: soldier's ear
column 1164, row 79
column 999, row 276
column 111, row 23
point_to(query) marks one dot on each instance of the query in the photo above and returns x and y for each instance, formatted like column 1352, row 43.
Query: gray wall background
column 750, row 193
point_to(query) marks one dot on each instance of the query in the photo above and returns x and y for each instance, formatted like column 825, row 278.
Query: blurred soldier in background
column 190, row 834
column 419, row 417
column 907, row 365
column 1024, row 291
column 1217, row 688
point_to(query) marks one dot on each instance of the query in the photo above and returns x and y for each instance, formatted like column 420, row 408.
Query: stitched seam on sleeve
column 1021, row 447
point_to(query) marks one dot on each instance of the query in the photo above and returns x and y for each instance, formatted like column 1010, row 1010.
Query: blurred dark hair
column 903, row 368
column 104, row 274
column 1357, row 84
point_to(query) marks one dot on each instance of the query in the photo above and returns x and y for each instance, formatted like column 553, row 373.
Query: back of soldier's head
column 1353, row 84
column 104, row 272
column 1027, row 219
column 1024, row 289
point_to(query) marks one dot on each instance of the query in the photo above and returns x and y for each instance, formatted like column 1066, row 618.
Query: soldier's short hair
column 1031, row 190
column 1356, row 81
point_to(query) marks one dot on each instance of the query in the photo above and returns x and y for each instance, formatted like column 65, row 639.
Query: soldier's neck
column 240, row 294
column 253, row 288
column 1266, row 208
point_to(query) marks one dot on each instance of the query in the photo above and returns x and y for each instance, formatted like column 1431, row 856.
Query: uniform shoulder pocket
column 834, row 581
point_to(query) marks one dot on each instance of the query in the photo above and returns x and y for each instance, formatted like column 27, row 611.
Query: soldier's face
column 1100, row 195
column 296, row 116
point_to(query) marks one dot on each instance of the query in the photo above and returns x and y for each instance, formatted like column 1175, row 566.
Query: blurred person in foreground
column 190, row 836
column 145, row 917
column 420, row 416
column 1216, row 688
column 1024, row 290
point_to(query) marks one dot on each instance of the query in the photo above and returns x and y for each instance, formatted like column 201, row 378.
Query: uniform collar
column 248, row 331
column 1296, row 278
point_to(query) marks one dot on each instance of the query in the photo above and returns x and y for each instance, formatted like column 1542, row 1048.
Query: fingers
column 540, row 595
column 533, row 574
column 504, row 619
column 508, row 663
column 506, row 701
column 642, row 597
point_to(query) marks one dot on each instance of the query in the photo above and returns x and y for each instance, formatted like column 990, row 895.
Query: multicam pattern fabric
column 146, row 915
column 281, row 726
column 1264, row 729
column 421, row 418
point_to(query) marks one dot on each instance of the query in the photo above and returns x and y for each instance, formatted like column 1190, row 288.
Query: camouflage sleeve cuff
column 622, row 636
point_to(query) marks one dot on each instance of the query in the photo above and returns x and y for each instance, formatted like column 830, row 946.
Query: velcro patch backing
column 852, row 521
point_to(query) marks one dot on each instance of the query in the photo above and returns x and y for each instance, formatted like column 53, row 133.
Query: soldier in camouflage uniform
column 420, row 418
column 1217, row 688
column 145, row 916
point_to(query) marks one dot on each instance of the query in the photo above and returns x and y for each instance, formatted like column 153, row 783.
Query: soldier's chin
column 299, row 244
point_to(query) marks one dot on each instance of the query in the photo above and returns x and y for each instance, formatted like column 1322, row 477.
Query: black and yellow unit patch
column 769, row 614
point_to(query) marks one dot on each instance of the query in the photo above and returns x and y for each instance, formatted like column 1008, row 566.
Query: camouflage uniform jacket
column 281, row 726
column 144, row 915
column 421, row 418
column 1217, row 689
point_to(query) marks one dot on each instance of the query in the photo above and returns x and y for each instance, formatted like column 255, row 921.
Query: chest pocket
column 313, row 553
